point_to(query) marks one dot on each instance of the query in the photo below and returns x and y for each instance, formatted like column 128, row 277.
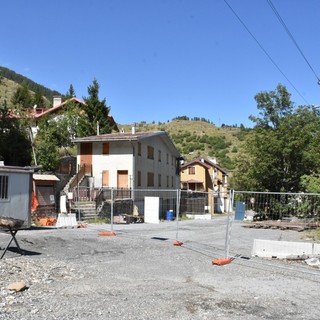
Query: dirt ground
column 140, row 274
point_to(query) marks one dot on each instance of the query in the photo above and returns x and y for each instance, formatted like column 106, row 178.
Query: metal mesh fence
column 277, row 206
column 186, row 203
column 266, row 210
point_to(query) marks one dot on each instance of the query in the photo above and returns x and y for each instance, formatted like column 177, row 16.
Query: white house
column 134, row 160
column 55, row 112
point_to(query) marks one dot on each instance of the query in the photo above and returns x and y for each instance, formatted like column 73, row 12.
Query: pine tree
column 22, row 97
column 70, row 93
column 38, row 100
column 97, row 112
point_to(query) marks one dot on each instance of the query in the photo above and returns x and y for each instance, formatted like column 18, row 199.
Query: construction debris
column 282, row 225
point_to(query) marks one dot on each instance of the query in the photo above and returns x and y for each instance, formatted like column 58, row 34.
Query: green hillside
column 200, row 138
column 10, row 81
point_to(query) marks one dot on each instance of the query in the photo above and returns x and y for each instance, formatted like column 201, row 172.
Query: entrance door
column 122, row 179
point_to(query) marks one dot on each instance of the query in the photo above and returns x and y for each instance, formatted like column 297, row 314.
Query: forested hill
column 195, row 138
column 19, row 79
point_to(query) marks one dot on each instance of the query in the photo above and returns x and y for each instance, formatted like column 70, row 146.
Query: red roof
column 57, row 107
column 37, row 113
column 203, row 161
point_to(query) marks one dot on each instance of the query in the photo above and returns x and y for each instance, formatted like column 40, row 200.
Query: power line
column 291, row 37
column 265, row 52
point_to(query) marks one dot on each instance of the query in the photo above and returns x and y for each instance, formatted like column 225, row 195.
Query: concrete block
column 283, row 249
column 66, row 220
column 199, row 216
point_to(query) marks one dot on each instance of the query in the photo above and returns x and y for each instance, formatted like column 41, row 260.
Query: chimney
column 133, row 129
column 57, row 100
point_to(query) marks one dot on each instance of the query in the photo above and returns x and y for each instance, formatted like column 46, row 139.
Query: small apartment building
column 147, row 160
column 205, row 175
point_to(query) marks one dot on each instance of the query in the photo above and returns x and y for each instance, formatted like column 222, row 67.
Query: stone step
column 87, row 209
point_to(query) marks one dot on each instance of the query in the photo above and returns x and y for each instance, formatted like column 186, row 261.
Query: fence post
column 229, row 224
column 178, row 211
column 78, row 202
column 111, row 214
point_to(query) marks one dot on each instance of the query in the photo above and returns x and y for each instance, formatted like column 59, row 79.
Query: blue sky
column 159, row 59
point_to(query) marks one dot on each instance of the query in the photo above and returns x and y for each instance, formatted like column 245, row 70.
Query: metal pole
column 78, row 197
column 111, row 215
column 229, row 224
column 178, row 211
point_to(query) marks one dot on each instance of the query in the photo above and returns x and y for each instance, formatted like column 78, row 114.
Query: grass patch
column 98, row 220
column 312, row 234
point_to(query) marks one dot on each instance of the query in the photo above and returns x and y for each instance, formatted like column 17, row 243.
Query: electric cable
column 291, row 37
column 265, row 51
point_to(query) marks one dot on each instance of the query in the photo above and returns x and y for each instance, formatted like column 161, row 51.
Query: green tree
column 273, row 106
column 15, row 146
column 282, row 147
column 22, row 98
column 96, row 112
column 38, row 100
column 52, row 135
column 311, row 183
column 70, row 93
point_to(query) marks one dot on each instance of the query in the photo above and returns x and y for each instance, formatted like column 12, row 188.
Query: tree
column 96, row 111
column 15, row 147
column 282, row 146
column 38, row 100
column 273, row 106
column 52, row 135
column 22, row 98
column 70, row 93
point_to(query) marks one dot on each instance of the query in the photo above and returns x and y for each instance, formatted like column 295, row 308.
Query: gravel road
column 140, row 274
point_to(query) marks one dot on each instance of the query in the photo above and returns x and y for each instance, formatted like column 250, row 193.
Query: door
column 122, row 181
column 122, row 184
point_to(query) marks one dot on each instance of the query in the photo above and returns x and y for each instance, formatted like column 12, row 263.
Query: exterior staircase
column 87, row 210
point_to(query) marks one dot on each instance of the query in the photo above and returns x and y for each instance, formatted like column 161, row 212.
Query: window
column 139, row 148
column 159, row 180
column 150, row 152
column 105, row 178
column 172, row 181
column 159, row 155
column 191, row 170
column 105, row 148
column 139, row 178
column 4, row 182
column 150, row 179
column 167, row 181
column 167, row 158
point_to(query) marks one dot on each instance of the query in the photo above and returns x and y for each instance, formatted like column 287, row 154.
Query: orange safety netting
column 34, row 202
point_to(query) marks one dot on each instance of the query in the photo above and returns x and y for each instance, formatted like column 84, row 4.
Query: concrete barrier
column 283, row 249
column 66, row 220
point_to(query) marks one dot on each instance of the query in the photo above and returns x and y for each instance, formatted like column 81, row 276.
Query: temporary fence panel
column 131, row 202
column 279, row 206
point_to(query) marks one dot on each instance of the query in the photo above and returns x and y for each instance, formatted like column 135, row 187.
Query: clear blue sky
column 158, row 59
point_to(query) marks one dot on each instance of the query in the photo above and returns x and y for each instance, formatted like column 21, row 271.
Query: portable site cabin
column 16, row 193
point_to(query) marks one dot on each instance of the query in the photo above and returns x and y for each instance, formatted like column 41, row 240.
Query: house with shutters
column 135, row 160
column 205, row 175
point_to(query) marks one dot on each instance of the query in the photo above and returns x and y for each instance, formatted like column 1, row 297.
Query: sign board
column 151, row 210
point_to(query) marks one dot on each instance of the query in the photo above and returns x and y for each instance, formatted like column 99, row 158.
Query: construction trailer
column 16, row 193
